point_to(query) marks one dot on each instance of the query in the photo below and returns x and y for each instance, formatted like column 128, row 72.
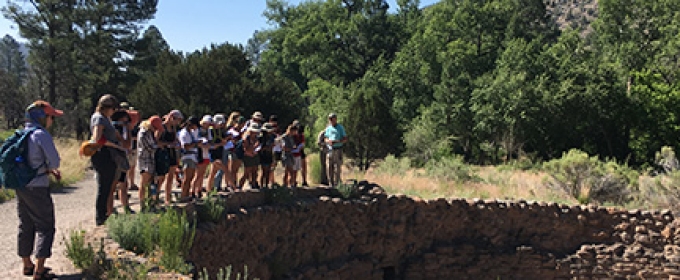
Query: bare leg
column 186, row 184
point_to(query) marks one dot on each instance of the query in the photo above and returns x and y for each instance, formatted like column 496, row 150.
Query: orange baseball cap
column 48, row 109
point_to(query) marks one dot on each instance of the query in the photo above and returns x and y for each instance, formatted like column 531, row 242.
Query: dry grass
column 72, row 165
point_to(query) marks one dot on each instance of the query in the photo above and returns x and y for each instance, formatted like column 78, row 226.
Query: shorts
column 189, row 163
column 162, row 162
column 132, row 158
column 228, row 155
column 123, row 177
column 253, row 161
column 204, row 162
column 217, row 154
column 266, row 158
column 288, row 161
column 278, row 156
column 173, row 157
column 297, row 163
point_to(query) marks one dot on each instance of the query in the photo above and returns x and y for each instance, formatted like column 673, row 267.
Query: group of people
column 172, row 148
column 163, row 150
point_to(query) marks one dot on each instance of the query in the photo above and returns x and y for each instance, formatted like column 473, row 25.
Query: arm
column 98, row 137
column 52, row 159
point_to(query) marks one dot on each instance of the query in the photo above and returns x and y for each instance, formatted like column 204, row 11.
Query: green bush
column 450, row 168
column 175, row 238
column 348, row 191
column 6, row 194
column 667, row 160
column 589, row 179
column 394, row 166
column 133, row 232
column 315, row 167
column 81, row 255
column 212, row 209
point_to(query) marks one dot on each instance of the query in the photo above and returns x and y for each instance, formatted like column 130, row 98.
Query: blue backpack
column 15, row 170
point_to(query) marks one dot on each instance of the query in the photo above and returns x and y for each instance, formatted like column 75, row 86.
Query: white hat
column 207, row 119
column 254, row 127
column 219, row 119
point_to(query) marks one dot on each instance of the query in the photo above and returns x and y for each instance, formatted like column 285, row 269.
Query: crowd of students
column 232, row 152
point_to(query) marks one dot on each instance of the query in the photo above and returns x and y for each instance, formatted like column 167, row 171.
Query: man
column 323, row 151
column 335, row 136
column 35, row 205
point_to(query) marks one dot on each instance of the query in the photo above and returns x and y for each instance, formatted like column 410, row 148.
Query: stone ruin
column 379, row 236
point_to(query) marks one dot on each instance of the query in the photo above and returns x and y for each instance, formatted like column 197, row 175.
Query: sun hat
column 332, row 115
column 156, row 123
column 258, row 115
column 207, row 119
column 254, row 127
column 88, row 148
column 176, row 114
column 125, row 105
column 46, row 107
column 268, row 127
column 219, row 119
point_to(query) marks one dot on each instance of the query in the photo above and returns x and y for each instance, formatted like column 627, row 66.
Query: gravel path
column 74, row 208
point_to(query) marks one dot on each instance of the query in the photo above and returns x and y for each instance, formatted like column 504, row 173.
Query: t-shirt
column 109, row 131
column 204, row 135
column 335, row 133
column 300, row 143
column 188, row 137
column 288, row 142
column 236, row 135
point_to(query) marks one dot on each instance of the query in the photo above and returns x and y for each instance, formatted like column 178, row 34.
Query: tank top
column 168, row 136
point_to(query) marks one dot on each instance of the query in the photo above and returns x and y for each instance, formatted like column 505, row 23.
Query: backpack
column 15, row 170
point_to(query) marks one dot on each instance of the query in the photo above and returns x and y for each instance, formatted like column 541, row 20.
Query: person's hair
column 233, row 119
column 146, row 124
column 120, row 114
column 291, row 128
column 107, row 101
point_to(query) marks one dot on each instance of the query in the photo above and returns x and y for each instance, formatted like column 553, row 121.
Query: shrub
column 6, row 194
column 175, row 237
column 225, row 274
column 348, row 191
column 81, row 255
column 133, row 232
column 590, row 180
column 315, row 167
column 667, row 160
column 450, row 168
column 394, row 166
column 212, row 209
column 278, row 195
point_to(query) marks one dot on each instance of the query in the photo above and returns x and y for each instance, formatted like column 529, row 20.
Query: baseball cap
column 207, row 119
column 47, row 108
column 176, row 114
column 157, row 123
column 332, row 115
column 125, row 105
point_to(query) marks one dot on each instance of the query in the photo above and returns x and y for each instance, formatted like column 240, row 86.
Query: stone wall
column 397, row 237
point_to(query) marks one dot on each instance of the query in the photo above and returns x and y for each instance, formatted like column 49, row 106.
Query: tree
column 12, row 60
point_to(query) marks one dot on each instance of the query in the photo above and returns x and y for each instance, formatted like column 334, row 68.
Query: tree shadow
column 63, row 190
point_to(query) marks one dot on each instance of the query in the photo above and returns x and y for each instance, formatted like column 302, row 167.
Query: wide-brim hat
column 254, row 127
column 89, row 148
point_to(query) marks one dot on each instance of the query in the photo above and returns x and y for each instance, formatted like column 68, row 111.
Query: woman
column 121, row 121
column 235, row 154
column 232, row 124
column 107, row 161
column 218, row 133
column 299, row 154
column 288, row 141
column 35, row 207
column 266, row 153
column 168, row 144
column 188, row 139
column 147, row 145
column 251, row 158
column 204, row 139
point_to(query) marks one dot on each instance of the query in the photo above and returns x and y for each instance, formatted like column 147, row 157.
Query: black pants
column 106, row 169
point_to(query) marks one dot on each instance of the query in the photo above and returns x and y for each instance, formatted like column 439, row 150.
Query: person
column 205, row 143
column 166, row 167
column 257, row 118
column 235, row 155
column 267, row 140
column 233, row 133
column 299, row 153
column 335, row 136
column 121, row 122
column 132, row 156
column 188, row 139
column 277, row 149
column 323, row 151
column 251, row 158
column 35, row 207
column 219, row 136
column 149, row 131
column 110, row 159
column 288, row 161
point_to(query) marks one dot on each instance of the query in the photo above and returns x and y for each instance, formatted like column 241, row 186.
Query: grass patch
column 72, row 166
column 314, row 168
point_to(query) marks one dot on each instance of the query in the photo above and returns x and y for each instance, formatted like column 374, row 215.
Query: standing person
column 288, row 161
column 149, row 131
column 205, row 143
column 188, row 138
column 168, row 152
column 107, row 162
column 299, row 154
column 323, row 151
column 121, row 122
column 251, row 158
column 35, row 207
column 232, row 130
column 218, row 134
column 277, row 149
column 266, row 155
column 235, row 152
column 335, row 136
column 257, row 118
column 132, row 156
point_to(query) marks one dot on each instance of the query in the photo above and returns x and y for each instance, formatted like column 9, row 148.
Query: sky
column 191, row 25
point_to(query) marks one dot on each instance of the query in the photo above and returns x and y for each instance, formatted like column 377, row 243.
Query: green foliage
column 278, row 195
column 450, row 168
column 667, row 160
column 348, row 191
column 394, row 166
column 225, row 274
column 135, row 233
column 315, row 168
column 81, row 255
column 6, row 195
column 175, row 238
column 590, row 180
column 212, row 209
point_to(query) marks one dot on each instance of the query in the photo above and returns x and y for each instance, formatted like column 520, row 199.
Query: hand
column 57, row 174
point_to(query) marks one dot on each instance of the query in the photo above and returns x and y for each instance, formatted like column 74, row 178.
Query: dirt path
column 74, row 208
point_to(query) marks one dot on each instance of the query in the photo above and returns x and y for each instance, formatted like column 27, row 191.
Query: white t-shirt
column 206, row 138
column 188, row 137
column 236, row 135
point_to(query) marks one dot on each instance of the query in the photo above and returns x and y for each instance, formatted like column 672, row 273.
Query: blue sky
column 191, row 25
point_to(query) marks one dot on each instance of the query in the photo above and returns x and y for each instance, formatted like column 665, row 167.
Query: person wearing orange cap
column 35, row 207
column 146, row 151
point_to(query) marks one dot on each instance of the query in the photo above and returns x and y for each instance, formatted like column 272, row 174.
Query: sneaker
column 304, row 184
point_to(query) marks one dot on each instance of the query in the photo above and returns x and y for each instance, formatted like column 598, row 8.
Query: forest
column 489, row 80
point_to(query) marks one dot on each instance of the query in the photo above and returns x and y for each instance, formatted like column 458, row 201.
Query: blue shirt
column 335, row 133
column 41, row 152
